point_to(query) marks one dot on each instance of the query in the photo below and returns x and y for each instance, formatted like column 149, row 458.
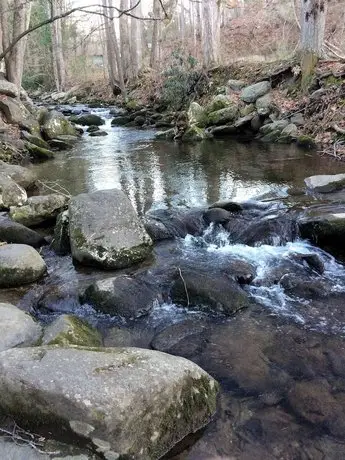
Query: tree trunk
column 19, row 17
column 210, row 31
column 57, row 48
column 111, row 59
column 155, row 36
column 135, row 41
column 312, row 37
column 116, row 51
column 124, row 40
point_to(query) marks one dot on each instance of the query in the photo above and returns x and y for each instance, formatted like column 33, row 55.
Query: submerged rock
column 325, row 183
column 98, row 133
column 69, row 330
column 126, row 401
column 17, row 328
column 89, row 120
column 105, row 230
column 208, row 291
column 39, row 209
column 12, row 232
column 119, row 296
column 20, row 264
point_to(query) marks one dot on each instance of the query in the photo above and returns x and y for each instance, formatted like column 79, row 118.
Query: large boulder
column 127, row 402
column 20, row 264
column 217, row 103
column 17, row 328
column 12, row 193
column 264, row 105
column 12, row 232
column 8, row 89
column 38, row 154
column 16, row 113
column 251, row 93
column 105, row 230
column 22, row 176
column 69, row 330
column 39, row 209
column 223, row 116
column 193, row 288
column 196, row 115
column 89, row 119
column 325, row 183
column 55, row 124
column 119, row 296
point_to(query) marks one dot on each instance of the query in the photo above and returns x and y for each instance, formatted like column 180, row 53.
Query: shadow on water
column 282, row 379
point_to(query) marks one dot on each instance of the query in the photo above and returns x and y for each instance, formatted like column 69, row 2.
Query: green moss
column 333, row 81
column 78, row 238
column 305, row 142
column 79, row 332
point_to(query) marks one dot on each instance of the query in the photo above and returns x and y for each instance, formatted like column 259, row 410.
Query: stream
column 286, row 338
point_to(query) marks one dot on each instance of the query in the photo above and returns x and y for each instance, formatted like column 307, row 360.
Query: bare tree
column 155, row 36
column 57, row 47
column 124, row 40
column 312, row 36
column 211, row 18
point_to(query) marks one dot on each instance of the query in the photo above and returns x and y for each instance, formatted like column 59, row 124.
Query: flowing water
column 259, row 354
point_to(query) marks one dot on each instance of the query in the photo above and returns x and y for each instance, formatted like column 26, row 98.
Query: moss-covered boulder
column 126, row 402
column 105, row 230
column 37, row 140
column 63, row 142
column 24, row 177
column 223, row 116
column 55, row 124
column 38, row 154
column 70, row 330
column 169, row 134
column 217, row 103
column 251, row 93
column 12, row 193
column 193, row 134
column 306, row 142
column 20, row 264
column 39, row 209
column 196, row 115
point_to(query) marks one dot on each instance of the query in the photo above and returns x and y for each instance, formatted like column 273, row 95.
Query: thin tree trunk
column 124, row 39
column 111, row 59
column 117, row 53
column 57, row 48
column 312, row 37
column 135, row 41
column 209, row 37
column 155, row 36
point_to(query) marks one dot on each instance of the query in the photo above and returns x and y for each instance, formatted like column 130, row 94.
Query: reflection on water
column 159, row 174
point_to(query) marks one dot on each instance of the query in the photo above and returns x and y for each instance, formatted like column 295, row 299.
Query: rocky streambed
column 175, row 273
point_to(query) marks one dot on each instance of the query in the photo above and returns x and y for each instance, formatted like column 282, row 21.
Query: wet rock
column 193, row 134
column 276, row 126
column 169, row 134
column 223, row 116
column 230, row 206
column 243, row 122
column 119, row 296
column 61, row 242
column 22, row 176
column 208, row 291
column 17, row 328
column 64, row 142
column 12, row 232
column 253, row 92
column 325, row 227
column 8, row 89
column 98, row 133
column 236, row 85
column 89, row 120
column 128, row 337
column 92, row 128
column 217, row 216
column 121, row 120
column 219, row 131
column 256, row 123
column 306, row 142
column 9, row 450
column 184, row 339
column 169, row 223
column 240, row 271
column 106, row 396
column 217, row 103
column 54, row 124
column 38, row 153
column 12, row 193
column 290, row 130
column 105, row 230
column 69, row 330
column 140, row 120
column 196, row 115
column 20, row 264
column 313, row 261
column 17, row 114
column 248, row 109
column 325, row 183
column 39, row 209
column 304, row 287
column 36, row 140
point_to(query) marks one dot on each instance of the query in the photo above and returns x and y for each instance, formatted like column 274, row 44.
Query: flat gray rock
column 325, row 183
column 17, row 328
column 253, row 92
column 25, row 177
column 12, row 451
column 12, row 232
column 105, row 230
column 126, row 401
column 20, row 264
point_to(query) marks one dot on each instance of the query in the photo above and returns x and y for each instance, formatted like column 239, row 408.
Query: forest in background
column 116, row 41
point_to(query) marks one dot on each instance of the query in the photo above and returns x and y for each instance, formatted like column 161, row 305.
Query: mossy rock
column 306, row 142
column 39, row 153
column 194, row 134
column 70, row 330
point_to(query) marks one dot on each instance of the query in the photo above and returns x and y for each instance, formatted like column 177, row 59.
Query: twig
column 54, row 187
column 338, row 129
column 17, row 434
column 185, row 286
